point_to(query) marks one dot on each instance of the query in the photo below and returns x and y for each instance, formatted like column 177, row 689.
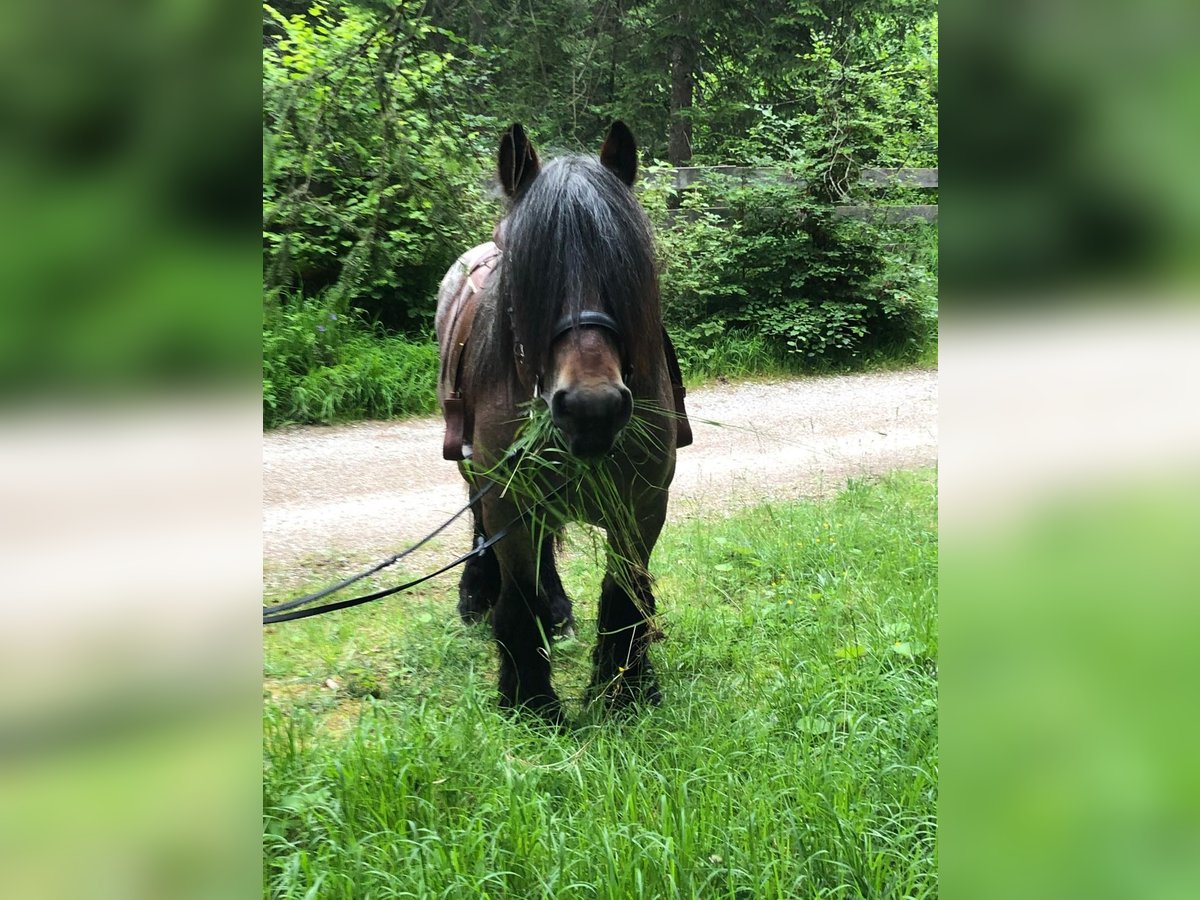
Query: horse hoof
column 624, row 692
column 552, row 716
column 547, row 709
column 564, row 631
column 472, row 616
column 471, row 610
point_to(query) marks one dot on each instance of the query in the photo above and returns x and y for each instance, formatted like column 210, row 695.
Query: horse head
column 579, row 285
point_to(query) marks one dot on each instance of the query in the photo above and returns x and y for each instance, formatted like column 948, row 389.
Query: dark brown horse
column 569, row 318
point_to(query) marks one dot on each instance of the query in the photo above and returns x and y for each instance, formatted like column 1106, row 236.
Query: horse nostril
column 626, row 406
column 558, row 406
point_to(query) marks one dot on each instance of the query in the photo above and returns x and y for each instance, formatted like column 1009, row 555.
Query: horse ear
column 619, row 153
column 518, row 163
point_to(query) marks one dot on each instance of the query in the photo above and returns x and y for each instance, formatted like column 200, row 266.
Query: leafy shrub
column 371, row 183
column 777, row 266
column 863, row 90
column 323, row 366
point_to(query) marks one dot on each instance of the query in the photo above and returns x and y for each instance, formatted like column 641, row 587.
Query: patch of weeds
column 795, row 753
column 359, row 681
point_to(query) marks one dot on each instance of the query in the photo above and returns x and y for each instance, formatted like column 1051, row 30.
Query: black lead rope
column 286, row 612
column 390, row 561
column 271, row 619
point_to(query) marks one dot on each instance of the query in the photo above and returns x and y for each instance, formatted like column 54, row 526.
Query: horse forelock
column 578, row 240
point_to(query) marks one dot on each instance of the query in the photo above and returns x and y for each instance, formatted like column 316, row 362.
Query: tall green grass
column 375, row 377
column 739, row 356
column 322, row 364
column 736, row 355
column 795, row 753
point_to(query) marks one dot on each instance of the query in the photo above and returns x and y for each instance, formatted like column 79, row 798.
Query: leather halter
column 480, row 269
column 589, row 318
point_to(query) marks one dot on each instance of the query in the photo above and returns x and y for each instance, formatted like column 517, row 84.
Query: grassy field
column 795, row 754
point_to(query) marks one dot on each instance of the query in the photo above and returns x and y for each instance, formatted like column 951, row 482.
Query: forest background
column 380, row 125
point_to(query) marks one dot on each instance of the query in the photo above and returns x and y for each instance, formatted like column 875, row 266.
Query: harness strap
column 683, row 428
column 273, row 618
column 390, row 561
column 457, row 428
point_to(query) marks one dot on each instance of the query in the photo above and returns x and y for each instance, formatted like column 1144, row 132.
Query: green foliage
column 778, row 267
column 371, row 182
column 380, row 126
column 324, row 366
column 861, row 91
column 796, row 752
column 761, row 81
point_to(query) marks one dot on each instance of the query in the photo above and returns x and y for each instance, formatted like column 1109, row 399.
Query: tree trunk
column 476, row 26
column 683, row 83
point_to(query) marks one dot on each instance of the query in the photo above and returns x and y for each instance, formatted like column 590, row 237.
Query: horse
column 562, row 310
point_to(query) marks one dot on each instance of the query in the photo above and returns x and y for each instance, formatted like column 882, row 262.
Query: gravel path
column 337, row 496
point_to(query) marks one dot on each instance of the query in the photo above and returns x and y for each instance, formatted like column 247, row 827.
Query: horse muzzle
column 591, row 417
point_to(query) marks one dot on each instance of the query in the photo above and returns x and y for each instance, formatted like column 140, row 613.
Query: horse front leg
column 621, row 669
column 522, row 623
column 479, row 586
column 551, row 585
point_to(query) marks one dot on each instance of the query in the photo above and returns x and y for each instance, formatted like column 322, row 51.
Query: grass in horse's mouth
column 552, row 486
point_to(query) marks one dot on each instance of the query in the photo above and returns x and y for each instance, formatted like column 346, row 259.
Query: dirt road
column 354, row 493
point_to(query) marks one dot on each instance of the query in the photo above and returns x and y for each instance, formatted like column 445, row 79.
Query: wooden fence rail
column 921, row 179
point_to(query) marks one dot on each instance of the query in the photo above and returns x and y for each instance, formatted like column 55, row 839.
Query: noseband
column 589, row 318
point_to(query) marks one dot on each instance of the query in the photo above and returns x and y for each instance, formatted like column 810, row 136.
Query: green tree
column 370, row 167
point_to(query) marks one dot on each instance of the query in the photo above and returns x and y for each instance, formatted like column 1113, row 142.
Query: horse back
column 458, row 299
column 459, row 289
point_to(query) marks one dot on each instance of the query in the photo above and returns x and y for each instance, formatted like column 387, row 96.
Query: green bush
column 862, row 91
column 777, row 267
column 324, row 366
column 371, row 184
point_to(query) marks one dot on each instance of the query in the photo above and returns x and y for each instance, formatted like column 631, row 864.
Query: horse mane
column 576, row 239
